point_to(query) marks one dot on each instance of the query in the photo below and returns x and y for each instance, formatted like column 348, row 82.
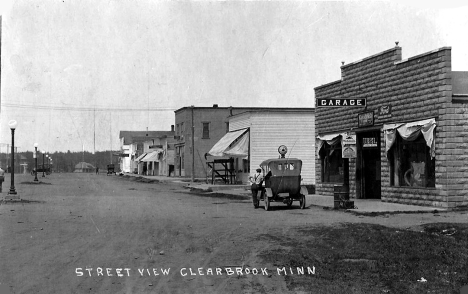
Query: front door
column 369, row 149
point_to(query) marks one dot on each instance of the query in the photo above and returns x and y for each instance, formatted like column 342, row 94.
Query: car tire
column 267, row 203
column 302, row 202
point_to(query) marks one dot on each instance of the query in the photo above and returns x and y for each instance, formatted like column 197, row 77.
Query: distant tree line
column 61, row 161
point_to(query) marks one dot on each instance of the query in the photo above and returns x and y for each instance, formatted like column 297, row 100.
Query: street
column 87, row 233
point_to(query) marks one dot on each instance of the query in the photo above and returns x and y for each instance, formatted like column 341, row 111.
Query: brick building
column 411, row 136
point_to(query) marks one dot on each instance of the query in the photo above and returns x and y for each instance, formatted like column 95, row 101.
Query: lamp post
column 35, row 159
column 12, row 124
column 43, row 164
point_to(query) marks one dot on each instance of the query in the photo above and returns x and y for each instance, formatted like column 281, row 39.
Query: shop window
column 331, row 163
column 411, row 164
column 206, row 130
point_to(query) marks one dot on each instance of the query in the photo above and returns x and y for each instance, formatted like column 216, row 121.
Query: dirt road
column 87, row 233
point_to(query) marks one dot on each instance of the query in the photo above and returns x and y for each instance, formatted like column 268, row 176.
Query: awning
column 239, row 147
column 152, row 156
column 331, row 139
column 235, row 143
column 410, row 131
column 139, row 158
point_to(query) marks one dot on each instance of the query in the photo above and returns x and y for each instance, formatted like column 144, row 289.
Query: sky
column 75, row 73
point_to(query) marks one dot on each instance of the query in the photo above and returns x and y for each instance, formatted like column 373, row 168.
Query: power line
column 77, row 108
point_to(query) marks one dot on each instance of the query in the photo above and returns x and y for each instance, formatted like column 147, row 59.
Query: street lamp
column 43, row 164
column 12, row 124
column 35, row 158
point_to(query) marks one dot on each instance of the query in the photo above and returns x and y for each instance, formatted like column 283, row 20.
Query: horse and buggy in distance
column 282, row 181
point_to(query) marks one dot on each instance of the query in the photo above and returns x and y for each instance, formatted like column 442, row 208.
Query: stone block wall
column 416, row 88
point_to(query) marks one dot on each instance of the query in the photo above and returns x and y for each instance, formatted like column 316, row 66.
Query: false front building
column 407, row 142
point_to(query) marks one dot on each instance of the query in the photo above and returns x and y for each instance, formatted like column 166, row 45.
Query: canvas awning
column 410, row 132
column 152, row 156
column 235, row 143
column 331, row 139
column 139, row 158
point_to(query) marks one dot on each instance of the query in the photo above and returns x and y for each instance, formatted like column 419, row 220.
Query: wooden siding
column 269, row 130
column 238, row 122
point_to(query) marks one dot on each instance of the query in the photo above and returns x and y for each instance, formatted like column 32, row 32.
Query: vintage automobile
column 283, row 181
column 111, row 169
column 42, row 169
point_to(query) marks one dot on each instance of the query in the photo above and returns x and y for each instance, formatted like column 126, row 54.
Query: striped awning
column 139, row 158
column 235, row 143
column 152, row 156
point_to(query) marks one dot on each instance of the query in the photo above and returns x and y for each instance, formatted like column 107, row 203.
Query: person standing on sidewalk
column 256, row 185
column 2, row 178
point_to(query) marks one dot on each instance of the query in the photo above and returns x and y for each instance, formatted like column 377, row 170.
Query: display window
column 411, row 163
column 331, row 163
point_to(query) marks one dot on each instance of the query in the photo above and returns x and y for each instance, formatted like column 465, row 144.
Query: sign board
column 385, row 111
column 349, row 139
column 341, row 102
column 348, row 149
column 124, row 155
column 34, row 154
column 366, row 119
column 155, row 146
column 369, row 142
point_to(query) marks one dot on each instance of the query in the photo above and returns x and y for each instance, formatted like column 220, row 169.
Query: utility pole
column 193, row 147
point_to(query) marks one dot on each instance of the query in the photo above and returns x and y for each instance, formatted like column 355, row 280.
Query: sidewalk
column 327, row 202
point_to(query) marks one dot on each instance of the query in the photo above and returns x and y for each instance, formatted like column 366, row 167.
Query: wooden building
column 255, row 136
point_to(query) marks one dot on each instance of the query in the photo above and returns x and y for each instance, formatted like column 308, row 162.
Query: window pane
column 411, row 164
column 206, row 131
column 332, row 164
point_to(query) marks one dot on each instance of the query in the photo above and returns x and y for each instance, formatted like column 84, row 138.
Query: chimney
column 215, row 105
column 172, row 128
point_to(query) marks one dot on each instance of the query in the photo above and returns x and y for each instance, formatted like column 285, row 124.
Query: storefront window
column 411, row 164
column 332, row 163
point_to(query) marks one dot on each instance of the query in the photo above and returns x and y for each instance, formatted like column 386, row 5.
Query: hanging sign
column 366, row 119
column 348, row 145
column 34, row 154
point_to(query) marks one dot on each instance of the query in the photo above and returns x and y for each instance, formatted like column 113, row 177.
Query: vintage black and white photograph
column 233, row 147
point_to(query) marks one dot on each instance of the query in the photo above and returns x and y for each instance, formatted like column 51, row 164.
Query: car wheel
column 289, row 202
column 267, row 203
column 302, row 202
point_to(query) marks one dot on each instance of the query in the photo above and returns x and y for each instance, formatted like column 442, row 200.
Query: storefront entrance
column 368, row 165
